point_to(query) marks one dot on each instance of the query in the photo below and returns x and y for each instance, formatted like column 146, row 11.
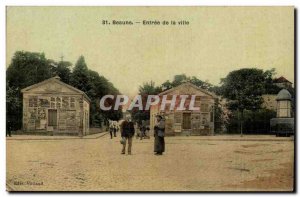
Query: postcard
column 150, row 99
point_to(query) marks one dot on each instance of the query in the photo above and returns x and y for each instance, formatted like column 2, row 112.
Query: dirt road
column 189, row 164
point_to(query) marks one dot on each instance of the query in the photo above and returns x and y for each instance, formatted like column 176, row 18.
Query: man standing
column 159, row 134
column 127, row 133
column 8, row 128
column 111, row 129
column 115, row 128
column 142, row 130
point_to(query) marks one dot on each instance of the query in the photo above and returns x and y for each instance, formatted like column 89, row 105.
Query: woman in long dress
column 159, row 134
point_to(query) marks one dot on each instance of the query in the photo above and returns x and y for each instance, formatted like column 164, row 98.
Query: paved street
column 206, row 163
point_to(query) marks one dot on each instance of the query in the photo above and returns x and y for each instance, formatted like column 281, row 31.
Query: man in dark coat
column 8, row 128
column 159, row 134
column 111, row 129
column 127, row 132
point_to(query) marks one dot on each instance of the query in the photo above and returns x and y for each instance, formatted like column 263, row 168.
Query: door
column 186, row 121
column 52, row 117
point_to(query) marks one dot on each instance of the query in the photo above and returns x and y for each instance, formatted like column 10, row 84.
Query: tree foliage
column 63, row 70
column 27, row 68
column 182, row 78
column 244, row 88
column 80, row 75
column 256, row 122
column 13, row 108
column 146, row 89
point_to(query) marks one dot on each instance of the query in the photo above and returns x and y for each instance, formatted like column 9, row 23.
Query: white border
column 5, row 3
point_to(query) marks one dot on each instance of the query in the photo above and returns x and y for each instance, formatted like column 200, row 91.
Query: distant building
column 52, row 107
column 282, row 82
column 186, row 122
column 269, row 100
column 284, row 123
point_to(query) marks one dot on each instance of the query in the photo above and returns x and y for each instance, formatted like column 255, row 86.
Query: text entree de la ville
column 145, row 22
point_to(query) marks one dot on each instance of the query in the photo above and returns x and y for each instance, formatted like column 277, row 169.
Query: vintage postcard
column 150, row 99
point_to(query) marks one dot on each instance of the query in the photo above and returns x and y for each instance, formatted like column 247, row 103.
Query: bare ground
column 189, row 164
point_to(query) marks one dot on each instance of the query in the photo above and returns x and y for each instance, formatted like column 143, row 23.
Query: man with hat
column 127, row 133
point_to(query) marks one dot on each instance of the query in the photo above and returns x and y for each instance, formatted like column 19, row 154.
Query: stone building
column 187, row 122
column 282, row 82
column 52, row 107
column 269, row 100
column 284, row 123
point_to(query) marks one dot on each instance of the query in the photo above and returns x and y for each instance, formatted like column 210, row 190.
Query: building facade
column 55, row 108
column 187, row 122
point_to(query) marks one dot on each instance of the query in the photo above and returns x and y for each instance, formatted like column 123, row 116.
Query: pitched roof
column 281, row 80
column 189, row 84
column 57, row 80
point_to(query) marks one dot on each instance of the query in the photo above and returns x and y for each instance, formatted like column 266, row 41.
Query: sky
column 217, row 40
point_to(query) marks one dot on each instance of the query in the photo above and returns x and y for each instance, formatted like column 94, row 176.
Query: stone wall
column 200, row 122
column 36, row 113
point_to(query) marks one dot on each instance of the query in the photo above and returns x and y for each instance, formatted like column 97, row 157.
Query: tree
column 257, row 122
column 177, row 80
column 63, row 71
column 13, row 108
column 203, row 84
column 95, row 86
column 80, row 75
column 100, row 86
column 182, row 78
column 167, row 85
column 149, row 88
column 244, row 88
column 27, row 68
column 146, row 89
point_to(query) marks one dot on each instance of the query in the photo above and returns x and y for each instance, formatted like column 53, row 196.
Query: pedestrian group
column 127, row 129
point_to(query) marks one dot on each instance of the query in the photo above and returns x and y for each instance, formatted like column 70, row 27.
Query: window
column 65, row 102
column 33, row 101
column 177, row 117
column 72, row 102
column 204, row 107
column 44, row 103
column 58, row 102
column 52, row 102
column 283, row 109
